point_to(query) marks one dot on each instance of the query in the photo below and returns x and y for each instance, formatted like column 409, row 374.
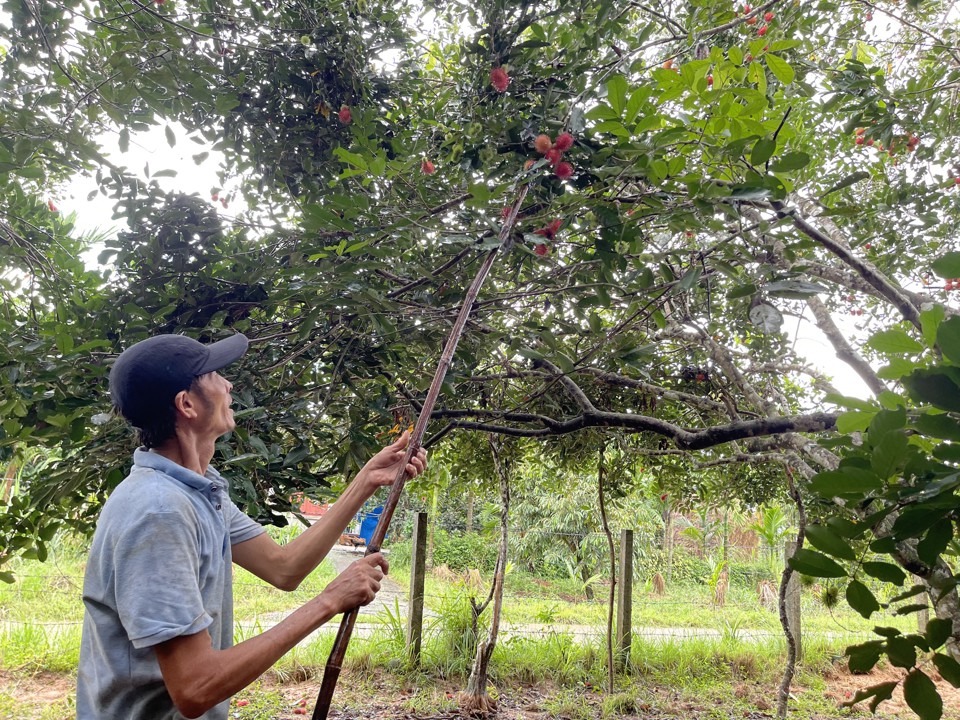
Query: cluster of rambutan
column 752, row 20
column 548, row 231
column 499, row 79
column 860, row 138
column 554, row 150
column 952, row 284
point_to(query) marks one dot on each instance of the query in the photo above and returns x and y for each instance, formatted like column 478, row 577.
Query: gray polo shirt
column 160, row 567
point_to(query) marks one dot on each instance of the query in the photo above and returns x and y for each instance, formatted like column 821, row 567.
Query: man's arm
column 285, row 566
column 197, row 676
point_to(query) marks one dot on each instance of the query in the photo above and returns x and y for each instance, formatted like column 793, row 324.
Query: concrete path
column 391, row 592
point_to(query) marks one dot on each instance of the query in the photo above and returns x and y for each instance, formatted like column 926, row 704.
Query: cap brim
column 223, row 352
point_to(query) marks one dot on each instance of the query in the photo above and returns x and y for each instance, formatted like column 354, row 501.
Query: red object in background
column 310, row 508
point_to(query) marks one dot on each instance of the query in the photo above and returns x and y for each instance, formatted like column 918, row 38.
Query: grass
column 40, row 632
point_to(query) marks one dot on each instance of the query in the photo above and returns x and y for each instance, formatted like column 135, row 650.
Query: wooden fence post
column 792, row 604
column 625, row 598
column 418, row 571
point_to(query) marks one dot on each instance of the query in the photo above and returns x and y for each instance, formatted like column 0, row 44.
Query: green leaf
column 909, row 593
column 901, row 652
column 790, row 161
column 935, row 542
column 879, row 693
column 614, row 127
column 124, row 141
column 914, row 521
column 762, row 151
column 948, row 668
column 896, row 368
column 780, row 68
column 930, row 322
column 938, row 426
column 847, row 181
column 887, row 632
column 935, row 386
column 688, row 280
column 845, row 481
column 351, row 158
column 863, row 657
column 226, row 103
column 947, row 266
column 861, row 599
column 885, row 422
column 948, row 339
column 889, row 454
column 742, row 291
column 888, row 572
column 895, row 341
column 938, row 631
column 296, row 455
column 617, row 93
column 922, row 697
column 171, row 138
column 853, row 403
column 854, row 422
column 823, row 538
column 810, row 562
column 845, row 528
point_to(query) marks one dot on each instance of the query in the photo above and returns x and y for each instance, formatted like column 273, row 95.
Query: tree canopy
column 703, row 177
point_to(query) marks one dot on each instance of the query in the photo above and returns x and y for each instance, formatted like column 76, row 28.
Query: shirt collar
column 147, row 459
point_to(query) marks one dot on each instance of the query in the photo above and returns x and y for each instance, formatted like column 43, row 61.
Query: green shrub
column 687, row 568
column 464, row 551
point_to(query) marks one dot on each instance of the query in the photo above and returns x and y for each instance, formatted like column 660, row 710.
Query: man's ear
column 185, row 404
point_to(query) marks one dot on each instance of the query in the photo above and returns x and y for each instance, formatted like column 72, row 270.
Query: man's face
column 213, row 401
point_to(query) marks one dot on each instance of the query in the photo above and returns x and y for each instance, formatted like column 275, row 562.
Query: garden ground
column 378, row 695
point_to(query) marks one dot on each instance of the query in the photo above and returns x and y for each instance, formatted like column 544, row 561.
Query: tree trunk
column 726, row 535
column 475, row 700
column 939, row 580
column 601, row 468
column 470, row 500
column 668, row 539
column 783, row 695
column 11, row 473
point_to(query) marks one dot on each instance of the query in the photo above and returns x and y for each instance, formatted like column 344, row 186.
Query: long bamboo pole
column 331, row 672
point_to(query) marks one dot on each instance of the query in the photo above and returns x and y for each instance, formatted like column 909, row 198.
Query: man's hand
column 358, row 584
column 382, row 468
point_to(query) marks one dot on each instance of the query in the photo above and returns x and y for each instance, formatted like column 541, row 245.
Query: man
column 158, row 628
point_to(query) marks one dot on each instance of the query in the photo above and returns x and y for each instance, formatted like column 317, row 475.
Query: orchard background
column 703, row 178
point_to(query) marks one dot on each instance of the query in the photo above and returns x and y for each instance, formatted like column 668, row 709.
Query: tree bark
column 475, row 700
column 783, row 694
column 601, row 471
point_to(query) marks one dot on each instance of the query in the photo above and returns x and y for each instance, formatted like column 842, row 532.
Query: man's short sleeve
column 157, row 571
column 242, row 527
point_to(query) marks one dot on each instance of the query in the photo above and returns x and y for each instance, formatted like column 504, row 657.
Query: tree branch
column 683, row 438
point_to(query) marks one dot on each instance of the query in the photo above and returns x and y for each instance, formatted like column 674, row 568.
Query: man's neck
column 190, row 452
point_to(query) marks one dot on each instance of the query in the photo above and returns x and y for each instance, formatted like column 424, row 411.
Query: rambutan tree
column 703, row 180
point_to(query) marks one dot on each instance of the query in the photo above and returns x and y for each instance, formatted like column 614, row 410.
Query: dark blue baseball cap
column 147, row 376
